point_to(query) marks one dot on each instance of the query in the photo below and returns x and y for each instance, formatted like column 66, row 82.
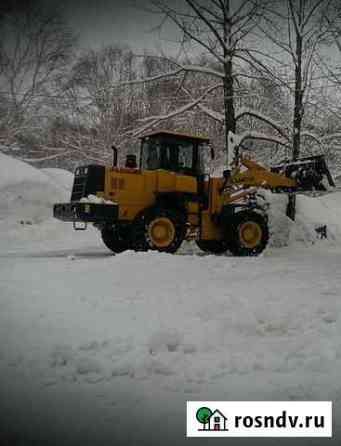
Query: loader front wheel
column 115, row 238
column 159, row 229
column 248, row 233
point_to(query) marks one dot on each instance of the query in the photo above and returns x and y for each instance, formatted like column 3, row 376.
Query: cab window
column 150, row 159
column 168, row 154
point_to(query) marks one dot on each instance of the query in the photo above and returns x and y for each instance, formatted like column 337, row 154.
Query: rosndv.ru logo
column 259, row 419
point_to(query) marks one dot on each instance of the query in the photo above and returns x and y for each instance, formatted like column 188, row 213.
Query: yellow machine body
column 135, row 190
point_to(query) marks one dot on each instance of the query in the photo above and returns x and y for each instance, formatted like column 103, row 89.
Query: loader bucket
column 308, row 172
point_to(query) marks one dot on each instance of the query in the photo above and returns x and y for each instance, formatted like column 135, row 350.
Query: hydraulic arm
column 305, row 174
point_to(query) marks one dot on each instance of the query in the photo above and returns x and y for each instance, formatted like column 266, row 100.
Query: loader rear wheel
column 212, row 246
column 115, row 239
column 248, row 233
column 159, row 229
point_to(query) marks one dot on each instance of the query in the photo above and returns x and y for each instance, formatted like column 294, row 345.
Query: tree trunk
column 230, row 120
column 298, row 110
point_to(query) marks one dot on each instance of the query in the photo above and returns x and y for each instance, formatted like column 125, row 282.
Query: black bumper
column 86, row 212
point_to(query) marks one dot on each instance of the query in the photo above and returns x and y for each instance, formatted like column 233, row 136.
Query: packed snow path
column 91, row 343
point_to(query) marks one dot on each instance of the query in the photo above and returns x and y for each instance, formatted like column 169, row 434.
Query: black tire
column 141, row 236
column 212, row 246
column 236, row 244
column 115, row 238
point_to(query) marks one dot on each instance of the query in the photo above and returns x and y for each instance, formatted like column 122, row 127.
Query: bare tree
column 35, row 48
column 298, row 28
column 102, row 103
column 220, row 28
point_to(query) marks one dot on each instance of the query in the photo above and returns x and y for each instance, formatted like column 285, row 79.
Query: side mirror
column 131, row 162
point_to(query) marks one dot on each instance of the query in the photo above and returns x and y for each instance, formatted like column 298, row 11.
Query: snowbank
column 60, row 177
column 13, row 171
column 312, row 213
column 27, row 193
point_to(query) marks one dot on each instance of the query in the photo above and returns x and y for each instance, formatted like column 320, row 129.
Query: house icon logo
column 211, row 420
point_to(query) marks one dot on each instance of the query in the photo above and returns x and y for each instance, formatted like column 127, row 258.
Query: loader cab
column 175, row 152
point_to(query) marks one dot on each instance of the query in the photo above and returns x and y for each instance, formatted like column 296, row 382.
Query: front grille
column 88, row 181
column 79, row 185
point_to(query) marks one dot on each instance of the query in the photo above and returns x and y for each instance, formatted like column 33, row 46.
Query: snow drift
column 311, row 213
column 60, row 177
column 27, row 193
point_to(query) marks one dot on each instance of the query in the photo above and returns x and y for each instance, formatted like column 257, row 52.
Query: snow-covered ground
column 103, row 349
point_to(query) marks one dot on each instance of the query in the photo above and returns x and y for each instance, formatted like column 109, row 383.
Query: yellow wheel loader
column 169, row 197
